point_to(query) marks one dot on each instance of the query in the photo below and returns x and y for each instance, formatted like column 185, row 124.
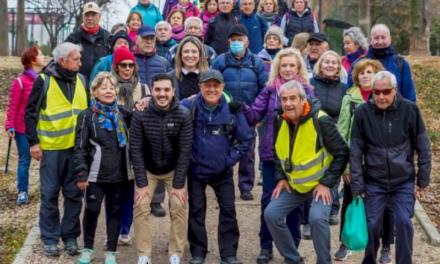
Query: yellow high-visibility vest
column 307, row 165
column 56, row 124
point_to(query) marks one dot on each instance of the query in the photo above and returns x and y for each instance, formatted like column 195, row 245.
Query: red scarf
column 92, row 31
column 365, row 93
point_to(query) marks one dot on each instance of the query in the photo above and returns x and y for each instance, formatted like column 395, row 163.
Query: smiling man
column 160, row 140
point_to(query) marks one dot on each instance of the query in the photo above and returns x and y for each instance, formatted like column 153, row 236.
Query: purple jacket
column 267, row 104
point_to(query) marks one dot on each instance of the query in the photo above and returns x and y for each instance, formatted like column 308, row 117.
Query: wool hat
column 275, row 31
column 122, row 53
column 120, row 34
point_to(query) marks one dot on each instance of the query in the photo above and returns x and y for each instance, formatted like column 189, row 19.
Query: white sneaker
column 174, row 259
column 124, row 240
column 144, row 260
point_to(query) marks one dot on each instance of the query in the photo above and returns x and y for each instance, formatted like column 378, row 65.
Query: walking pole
column 7, row 155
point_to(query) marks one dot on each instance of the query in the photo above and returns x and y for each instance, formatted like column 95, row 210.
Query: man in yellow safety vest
column 58, row 95
column 311, row 156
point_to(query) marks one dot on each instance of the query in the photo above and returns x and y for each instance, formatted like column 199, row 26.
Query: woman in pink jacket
column 33, row 62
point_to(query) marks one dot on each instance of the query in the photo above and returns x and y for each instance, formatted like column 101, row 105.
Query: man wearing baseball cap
column 221, row 136
column 92, row 37
column 318, row 44
column 245, row 77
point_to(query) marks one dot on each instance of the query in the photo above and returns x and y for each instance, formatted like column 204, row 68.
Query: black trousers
column 228, row 233
column 94, row 195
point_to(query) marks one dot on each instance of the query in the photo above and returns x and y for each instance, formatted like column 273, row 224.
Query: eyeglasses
column 126, row 65
column 384, row 91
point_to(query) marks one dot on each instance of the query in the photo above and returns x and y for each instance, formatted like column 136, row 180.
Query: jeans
column 275, row 216
column 246, row 169
column 24, row 161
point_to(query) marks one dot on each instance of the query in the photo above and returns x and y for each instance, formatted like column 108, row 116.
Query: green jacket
column 350, row 101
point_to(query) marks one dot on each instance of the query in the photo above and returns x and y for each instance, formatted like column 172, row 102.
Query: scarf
column 126, row 89
column 206, row 16
column 365, row 94
column 269, row 17
column 109, row 118
column 272, row 52
column 91, row 31
column 65, row 74
column 382, row 53
column 355, row 55
column 307, row 87
column 178, row 33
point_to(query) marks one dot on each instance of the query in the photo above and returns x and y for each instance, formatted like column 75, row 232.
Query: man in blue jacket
column 245, row 77
column 254, row 24
column 381, row 49
column 221, row 136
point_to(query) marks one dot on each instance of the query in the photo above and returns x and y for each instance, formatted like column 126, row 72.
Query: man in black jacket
column 160, row 140
column 385, row 133
column 91, row 37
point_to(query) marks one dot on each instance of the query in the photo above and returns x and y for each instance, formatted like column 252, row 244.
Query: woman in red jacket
column 33, row 62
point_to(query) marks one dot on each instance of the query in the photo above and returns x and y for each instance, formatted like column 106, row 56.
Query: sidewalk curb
column 429, row 228
column 27, row 248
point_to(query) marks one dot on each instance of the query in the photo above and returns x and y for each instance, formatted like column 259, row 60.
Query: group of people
column 171, row 106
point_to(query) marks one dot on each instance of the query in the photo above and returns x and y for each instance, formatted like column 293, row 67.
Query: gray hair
column 357, row 36
column 191, row 20
column 383, row 26
column 290, row 85
column 63, row 50
column 162, row 23
column 382, row 75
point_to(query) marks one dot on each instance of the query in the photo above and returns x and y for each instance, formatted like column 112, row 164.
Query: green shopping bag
column 355, row 231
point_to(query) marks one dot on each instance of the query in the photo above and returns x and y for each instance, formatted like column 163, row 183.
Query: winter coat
column 267, row 60
column 93, row 47
column 150, row 14
column 207, row 18
column 190, row 11
column 348, row 59
column 257, row 28
column 168, row 5
column 97, row 155
column 397, row 65
column 103, row 64
column 293, row 23
column 209, row 54
column 221, row 137
column 160, row 142
column 163, row 48
column 218, row 30
column 245, row 78
column 177, row 84
column 270, row 18
column 330, row 94
column 332, row 141
column 383, row 144
column 150, row 65
column 350, row 102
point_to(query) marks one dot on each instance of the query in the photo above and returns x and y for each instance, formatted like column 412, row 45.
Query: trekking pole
column 7, row 155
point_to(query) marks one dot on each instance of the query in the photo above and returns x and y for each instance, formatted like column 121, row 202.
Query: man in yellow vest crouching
column 58, row 95
column 311, row 156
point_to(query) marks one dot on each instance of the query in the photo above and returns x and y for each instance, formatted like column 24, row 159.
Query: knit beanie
column 122, row 53
column 118, row 35
column 276, row 31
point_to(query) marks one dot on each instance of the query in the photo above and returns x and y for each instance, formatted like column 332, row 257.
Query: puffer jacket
column 350, row 101
column 160, row 142
column 383, row 144
column 245, row 78
column 293, row 23
column 221, row 137
column 150, row 14
column 18, row 97
column 330, row 93
column 267, row 60
column 93, row 47
column 97, row 155
column 150, row 65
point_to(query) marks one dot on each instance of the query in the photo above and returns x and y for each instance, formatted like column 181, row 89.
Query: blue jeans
column 246, row 169
column 275, row 216
column 292, row 219
column 24, row 161
column 401, row 200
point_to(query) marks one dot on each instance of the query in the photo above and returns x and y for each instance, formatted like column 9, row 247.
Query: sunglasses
column 384, row 91
column 126, row 65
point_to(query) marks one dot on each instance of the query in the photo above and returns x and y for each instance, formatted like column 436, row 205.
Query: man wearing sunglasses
column 385, row 133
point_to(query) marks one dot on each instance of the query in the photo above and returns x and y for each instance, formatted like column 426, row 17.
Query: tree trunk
column 21, row 28
column 365, row 16
column 420, row 28
column 4, row 39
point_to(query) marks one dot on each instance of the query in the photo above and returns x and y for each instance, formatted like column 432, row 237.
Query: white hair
column 357, row 36
column 63, row 50
column 160, row 23
column 290, row 85
column 382, row 26
column 382, row 75
column 190, row 20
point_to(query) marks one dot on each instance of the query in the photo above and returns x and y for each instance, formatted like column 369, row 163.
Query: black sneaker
column 246, row 196
column 265, row 256
column 343, row 253
column 197, row 260
column 157, row 210
column 51, row 250
column 71, row 247
column 230, row 260
column 385, row 256
column 301, row 261
column 333, row 219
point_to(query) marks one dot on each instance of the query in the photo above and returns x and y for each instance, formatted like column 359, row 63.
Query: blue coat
column 244, row 79
column 103, row 64
column 257, row 28
column 390, row 61
column 220, row 139
column 150, row 14
column 150, row 66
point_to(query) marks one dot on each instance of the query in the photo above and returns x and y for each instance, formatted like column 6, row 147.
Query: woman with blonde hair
column 190, row 62
column 268, row 10
column 287, row 65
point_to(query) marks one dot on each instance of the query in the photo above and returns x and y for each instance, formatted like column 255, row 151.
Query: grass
column 11, row 240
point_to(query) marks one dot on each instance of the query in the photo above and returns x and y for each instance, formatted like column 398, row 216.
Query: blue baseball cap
column 146, row 31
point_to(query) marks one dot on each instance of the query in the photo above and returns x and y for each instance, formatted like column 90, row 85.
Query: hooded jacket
column 150, row 14
column 350, row 101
